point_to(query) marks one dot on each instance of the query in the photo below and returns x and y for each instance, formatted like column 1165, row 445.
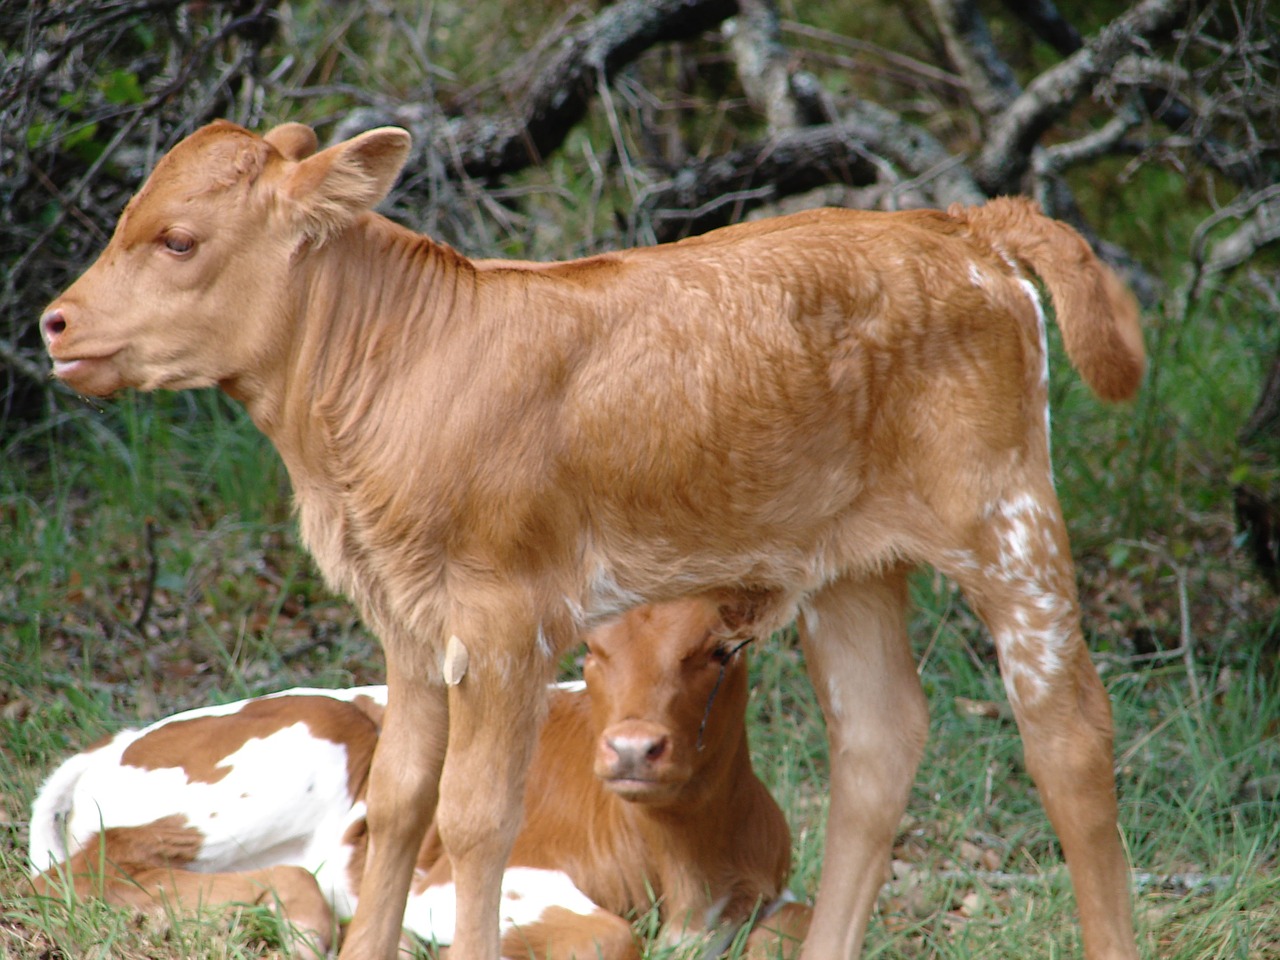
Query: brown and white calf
column 641, row 791
column 491, row 456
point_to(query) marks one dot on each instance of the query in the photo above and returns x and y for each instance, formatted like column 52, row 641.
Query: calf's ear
column 295, row 141
column 333, row 187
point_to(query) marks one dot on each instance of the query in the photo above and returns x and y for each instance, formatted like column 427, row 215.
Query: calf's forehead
column 192, row 178
column 658, row 635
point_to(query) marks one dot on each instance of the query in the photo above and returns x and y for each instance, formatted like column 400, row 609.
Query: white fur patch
column 278, row 790
column 527, row 893
column 604, row 598
column 1032, row 649
column 1042, row 329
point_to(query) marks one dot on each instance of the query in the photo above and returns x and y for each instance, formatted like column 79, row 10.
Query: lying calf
column 641, row 787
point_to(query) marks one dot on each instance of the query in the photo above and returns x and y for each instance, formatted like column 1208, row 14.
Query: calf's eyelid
column 178, row 242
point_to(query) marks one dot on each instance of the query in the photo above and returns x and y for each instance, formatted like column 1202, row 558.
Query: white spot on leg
column 1039, row 619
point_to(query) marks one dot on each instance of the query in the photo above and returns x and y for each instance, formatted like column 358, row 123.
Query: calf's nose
column 634, row 752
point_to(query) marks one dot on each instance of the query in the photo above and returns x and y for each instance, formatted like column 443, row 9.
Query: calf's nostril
column 53, row 323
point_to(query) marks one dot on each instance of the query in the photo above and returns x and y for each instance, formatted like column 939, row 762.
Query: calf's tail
column 1096, row 313
column 50, row 811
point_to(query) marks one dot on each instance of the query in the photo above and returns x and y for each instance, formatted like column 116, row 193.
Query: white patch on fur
column 527, row 893
column 1033, row 653
column 1042, row 330
column 604, row 598
column 810, row 617
column 329, row 858
column 976, row 276
column 835, row 699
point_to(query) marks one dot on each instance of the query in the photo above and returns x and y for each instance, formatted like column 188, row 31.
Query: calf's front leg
column 494, row 713
column 404, row 783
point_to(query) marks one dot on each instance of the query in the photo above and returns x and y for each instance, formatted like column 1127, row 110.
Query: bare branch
column 1054, row 160
column 1260, row 212
column 864, row 146
column 1013, row 134
column 991, row 83
column 751, row 176
column 765, row 69
column 559, row 96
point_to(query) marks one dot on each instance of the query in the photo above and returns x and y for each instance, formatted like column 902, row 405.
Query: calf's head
column 193, row 288
column 668, row 689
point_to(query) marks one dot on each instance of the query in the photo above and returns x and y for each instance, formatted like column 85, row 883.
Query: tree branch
column 1013, row 134
column 559, row 96
column 764, row 69
column 1260, row 212
column 991, row 83
column 863, row 146
column 711, row 193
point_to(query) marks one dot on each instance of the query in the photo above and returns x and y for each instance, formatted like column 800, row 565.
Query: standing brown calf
column 490, row 456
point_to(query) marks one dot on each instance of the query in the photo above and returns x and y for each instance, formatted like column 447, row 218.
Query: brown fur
column 802, row 407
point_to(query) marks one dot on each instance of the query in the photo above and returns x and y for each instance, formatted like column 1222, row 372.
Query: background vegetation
column 149, row 562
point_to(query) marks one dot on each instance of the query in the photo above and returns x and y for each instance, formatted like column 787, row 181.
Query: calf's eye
column 179, row 242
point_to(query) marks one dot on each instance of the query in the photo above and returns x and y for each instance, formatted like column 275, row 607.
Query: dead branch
column 991, row 83
column 1013, row 134
column 711, row 193
column 766, row 71
column 559, row 96
column 1260, row 216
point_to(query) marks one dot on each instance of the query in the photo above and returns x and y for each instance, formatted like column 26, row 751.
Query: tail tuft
column 49, row 813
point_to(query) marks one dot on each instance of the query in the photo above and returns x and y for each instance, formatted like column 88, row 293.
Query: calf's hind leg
column 1021, row 582
column 143, row 868
column 856, row 646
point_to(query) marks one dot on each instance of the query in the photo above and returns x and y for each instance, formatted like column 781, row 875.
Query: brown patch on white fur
column 200, row 746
